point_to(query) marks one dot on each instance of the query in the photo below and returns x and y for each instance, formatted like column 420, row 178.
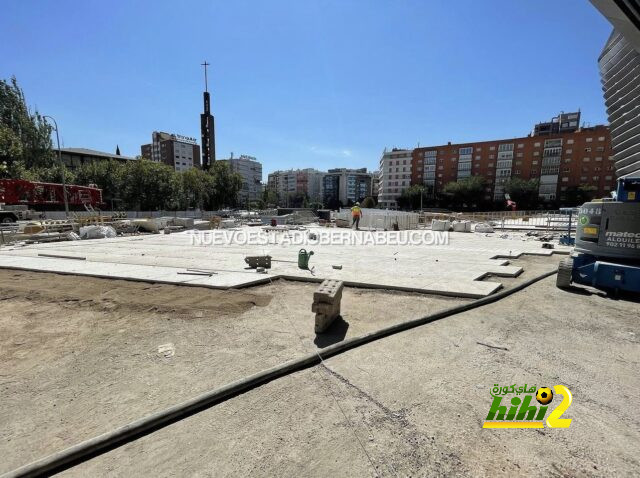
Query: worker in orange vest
column 356, row 214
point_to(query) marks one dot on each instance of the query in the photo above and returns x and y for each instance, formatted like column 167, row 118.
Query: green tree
column 25, row 136
column 53, row 174
column 107, row 175
column 465, row 193
column 298, row 199
column 149, row 185
column 226, row 185
column 410, row 198
column 197, row 187
column 523, row 192
column 578, row 195
column 269, row 197
column 368, row 202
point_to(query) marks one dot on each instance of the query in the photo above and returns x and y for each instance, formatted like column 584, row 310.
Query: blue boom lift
column 607, row 243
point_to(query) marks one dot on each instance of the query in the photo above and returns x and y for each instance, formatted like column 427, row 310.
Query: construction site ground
column 455, row 267
column 82, row 356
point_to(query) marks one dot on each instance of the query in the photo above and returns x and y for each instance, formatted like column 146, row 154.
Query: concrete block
column 326, row 309
column 329, row 291
column 326, row 303
column 186, row 222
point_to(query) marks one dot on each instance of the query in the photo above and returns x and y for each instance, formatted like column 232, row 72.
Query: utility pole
column 64, row 185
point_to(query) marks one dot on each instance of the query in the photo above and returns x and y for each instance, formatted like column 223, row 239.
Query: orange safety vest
column 356, row 211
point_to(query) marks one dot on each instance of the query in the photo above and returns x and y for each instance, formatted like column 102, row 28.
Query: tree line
column 26, row 152
column 470, row 194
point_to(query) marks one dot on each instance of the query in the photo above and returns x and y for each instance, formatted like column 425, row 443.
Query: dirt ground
column 80, row 357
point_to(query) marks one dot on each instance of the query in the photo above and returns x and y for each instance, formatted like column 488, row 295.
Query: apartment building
column 310, row 182
column 346, row 186
column 375, row 184
column 396, row 168
column 250, row 169
column 618, row 71
column 292, row 181
column 179, row 152
column 558, row 159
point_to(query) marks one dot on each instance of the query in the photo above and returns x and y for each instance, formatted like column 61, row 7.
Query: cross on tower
column 205, row 64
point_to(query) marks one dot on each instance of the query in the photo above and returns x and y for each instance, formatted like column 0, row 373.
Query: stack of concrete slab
column 439, row 225
column 326, row 303
column 380, row 219
column 462, row 226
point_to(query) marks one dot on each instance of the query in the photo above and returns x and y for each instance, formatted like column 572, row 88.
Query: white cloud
column 335, row 152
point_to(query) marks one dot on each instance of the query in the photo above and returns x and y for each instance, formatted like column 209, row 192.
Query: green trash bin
column 303, row 258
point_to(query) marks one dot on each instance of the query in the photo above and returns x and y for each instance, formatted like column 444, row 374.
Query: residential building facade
column 618, row 69
column 292, row 181
column 375, row 185
column 396, row 176
column 179, row 152
column 346, row 186
column 250, row 169
column 558, row 160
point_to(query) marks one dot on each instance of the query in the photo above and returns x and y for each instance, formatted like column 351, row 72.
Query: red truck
column 45, row 196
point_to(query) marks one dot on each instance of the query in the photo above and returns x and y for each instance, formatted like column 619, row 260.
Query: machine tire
column 565, row 269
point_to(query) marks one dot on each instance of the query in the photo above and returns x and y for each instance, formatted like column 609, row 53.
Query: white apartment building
column 292, row 181
column 251, row 171
column 395, row 176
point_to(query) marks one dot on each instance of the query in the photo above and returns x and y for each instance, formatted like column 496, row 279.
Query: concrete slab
column 455, row 268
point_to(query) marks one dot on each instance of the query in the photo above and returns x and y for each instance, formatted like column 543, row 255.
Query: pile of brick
column 326, row 303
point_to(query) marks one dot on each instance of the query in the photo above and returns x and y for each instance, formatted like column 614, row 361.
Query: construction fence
column 558, row 220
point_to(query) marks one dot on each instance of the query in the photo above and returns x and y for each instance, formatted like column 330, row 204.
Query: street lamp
column 64, row 185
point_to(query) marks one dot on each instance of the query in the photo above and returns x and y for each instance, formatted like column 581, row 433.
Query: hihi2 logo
column 522, row 413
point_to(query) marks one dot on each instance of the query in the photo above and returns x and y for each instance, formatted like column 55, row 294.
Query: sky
column 304, row 83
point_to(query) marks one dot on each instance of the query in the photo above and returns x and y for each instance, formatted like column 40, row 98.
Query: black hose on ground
column 88, row 449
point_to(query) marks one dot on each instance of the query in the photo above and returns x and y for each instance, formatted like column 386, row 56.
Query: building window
column 535, row 161
column 601, row 138
column 569, row 151
column 477, row 157
column 565, row 180
column 536, row 145
column 491, row 156
column 517, row 171
column 492, row 148
column 534, row 172
column 467, row 150
column 478, row 149
column 505, row 147
column 598, row 158
column 596, row 178
column 589, row 140
column 536, row 153
column 585, row 160
column 519, row 155
column 520, row 145
column 569, row 141
column 587, row 150
column 600, row 149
